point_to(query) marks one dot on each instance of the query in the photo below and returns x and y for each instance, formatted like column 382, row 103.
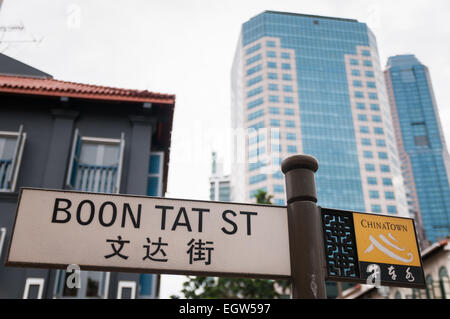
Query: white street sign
column 146, row 234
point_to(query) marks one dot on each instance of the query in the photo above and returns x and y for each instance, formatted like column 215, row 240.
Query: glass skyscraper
column 421, row 143
column 305, row 84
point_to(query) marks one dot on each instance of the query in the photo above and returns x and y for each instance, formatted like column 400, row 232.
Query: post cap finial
column 299, row 161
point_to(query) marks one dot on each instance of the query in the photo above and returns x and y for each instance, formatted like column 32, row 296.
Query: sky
column 186, row 48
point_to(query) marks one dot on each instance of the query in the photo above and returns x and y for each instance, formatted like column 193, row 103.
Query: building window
column 287, row 77
column 359, row 94
column 93, row 284
column 275, row 123
column 290, row 123
column 288, row 99
column 367, row 154
column 253, row 49
column 11, row 149
column 271, row 54
column 292, row 149
column 155, row 174
column 387, row 182
column 360, row 106
column 376, row 209
column 370, row 167
column 274, row 110
column 392, row 209
column 278, row 188
column 365, row 52
column 257, row 178
column 285, row 55
column 287, row 88
column 357, row 83
column 126, row 290
column 272, row 65
column 374, row 194
column 375, row 107
column 273, row 87
column 253, row 59
column 430, row 287
column 354, row 62
column 285, row 66
column 291, row 136
column 367, row 63
column 95, row 164
column 272, row 76
column 364, row 129
column 289, row 111
column 270, row 44
column 255, row 91
column 34, row 288
column 373, row 96
column 444, row 282
column 255, row 103
column 273, row 98
column 382, row 155
column 372, row 180
column 389, row 195
column 362, row 117
column 254, row 69
column 356, row 73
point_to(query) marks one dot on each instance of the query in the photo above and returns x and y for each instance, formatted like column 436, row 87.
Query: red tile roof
column 52, row 87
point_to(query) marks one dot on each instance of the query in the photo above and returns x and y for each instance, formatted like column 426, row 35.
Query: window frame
column 33, row 282
column 17, row 158
column 126, row 284
column 78, row 139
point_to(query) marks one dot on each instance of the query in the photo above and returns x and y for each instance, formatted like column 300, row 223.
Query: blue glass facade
column 327, row 129
column 423, row 142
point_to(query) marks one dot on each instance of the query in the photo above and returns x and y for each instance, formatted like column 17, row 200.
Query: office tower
column 421, row 143
column 219, row 189
column 314, row 85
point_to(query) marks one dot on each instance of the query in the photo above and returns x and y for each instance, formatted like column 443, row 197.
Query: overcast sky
column 186, row 48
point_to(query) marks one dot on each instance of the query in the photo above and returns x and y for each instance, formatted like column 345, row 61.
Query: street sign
column 370, row 249
column 109, row 232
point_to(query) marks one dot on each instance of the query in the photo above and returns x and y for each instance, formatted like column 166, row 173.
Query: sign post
column 305, row 231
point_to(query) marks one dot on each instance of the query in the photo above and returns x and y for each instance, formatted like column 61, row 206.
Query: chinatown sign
column 146, row 234
column 371, row 249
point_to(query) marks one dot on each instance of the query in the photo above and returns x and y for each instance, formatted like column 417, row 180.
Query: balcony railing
column 95, row 178
column 5, row 174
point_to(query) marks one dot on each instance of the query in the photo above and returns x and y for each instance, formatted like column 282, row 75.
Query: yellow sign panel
column 385, row 239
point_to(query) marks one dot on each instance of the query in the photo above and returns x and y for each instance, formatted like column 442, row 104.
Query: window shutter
column 73, row 163
column 120, row 163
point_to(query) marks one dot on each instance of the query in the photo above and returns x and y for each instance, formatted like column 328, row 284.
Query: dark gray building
column 64, row 135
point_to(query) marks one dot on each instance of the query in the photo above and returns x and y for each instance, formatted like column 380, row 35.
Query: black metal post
column 305, row 228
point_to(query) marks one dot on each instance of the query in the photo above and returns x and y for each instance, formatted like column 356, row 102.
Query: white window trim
column 100, row 140
column 126, row 284
column 2, row 239
column 34, row 282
